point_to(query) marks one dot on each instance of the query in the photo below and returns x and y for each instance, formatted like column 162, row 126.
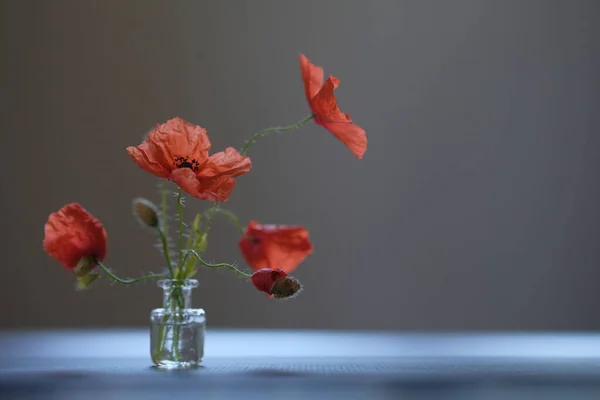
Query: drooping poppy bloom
column 75, row 238
column 324, row 106
column 178, row 150
column 275, row 246
column 275, row 283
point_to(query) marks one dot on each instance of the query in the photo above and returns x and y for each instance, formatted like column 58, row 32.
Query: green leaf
column 194, row 231
column 200, row 245
column 191, row 272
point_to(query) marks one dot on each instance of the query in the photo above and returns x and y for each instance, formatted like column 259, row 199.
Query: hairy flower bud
column 145, row 212
column 275, row 283
column 285, row 287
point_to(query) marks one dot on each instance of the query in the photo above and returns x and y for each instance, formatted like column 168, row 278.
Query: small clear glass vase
column 177, row 330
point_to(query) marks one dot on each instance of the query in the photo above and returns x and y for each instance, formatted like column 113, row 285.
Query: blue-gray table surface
column 255, row 364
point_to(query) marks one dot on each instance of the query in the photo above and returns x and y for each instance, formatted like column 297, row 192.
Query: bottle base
column 167, row 364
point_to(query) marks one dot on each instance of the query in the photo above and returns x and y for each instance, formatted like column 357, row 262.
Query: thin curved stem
column 200, row 236
column 220, row 265
column 233, row 218
column 213, row 211
column 126, row 281
column 265, row 132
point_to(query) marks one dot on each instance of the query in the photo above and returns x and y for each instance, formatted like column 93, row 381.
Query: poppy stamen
column 183, row 162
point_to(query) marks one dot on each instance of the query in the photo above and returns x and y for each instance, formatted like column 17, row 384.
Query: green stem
column 265, row 132
column 191, row 240
column 177, row 296
column 176, row 342
column 165, row 244
column 233, row 218
column 199, row 237
column 180, row 214
column 163, row 205
column 126, row 281
column 220, row 265
column 213, row 211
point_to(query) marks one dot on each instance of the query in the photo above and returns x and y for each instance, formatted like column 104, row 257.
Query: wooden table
column 252, row 364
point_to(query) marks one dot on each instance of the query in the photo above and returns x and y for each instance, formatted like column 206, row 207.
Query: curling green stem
column 233, row 218
column 126, row 281
column 213, row 211
column 220, row 265
column 265, row 132
column 180, row 214
column 201, row 236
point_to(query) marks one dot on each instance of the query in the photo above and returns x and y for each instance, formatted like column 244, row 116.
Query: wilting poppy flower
column 178, row 150
column 75, row 238
column 275, row 283
column 275, row 246
column 323, row 104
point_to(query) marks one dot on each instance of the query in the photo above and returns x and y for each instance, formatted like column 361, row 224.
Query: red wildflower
column 178, row 150
column 72, row 234
column 323, row 104
column 275, row 283
column 275, row 246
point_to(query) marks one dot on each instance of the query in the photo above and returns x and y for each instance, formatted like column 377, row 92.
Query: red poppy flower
column 275, row 283
column 73, row 234
column 275, row 246
column 178, row 150
column 323, row 104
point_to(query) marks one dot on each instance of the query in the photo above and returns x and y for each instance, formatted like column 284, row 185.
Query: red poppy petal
column 312, row 76
column 275, row 246
column 252, row 225
column 166, row 142
column 325, row 105
column 352, row 135
column 229, row 162
column 181, row 139
column 251, row 247
column 221, row 187
column 217, row 189
column 253, row 252
column 288, row 248
column 72, row 233
column 149, row 160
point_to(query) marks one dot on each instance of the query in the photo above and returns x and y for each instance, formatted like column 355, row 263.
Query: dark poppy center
column 184, row 162
column 254, row 239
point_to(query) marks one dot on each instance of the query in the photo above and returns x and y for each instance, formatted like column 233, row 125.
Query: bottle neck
column 177, row 298
column 177, row 295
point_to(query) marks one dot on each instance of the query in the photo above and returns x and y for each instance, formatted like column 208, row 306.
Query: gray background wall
column 475, row 207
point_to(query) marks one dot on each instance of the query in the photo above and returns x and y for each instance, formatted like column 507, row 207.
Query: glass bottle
column 177, row 330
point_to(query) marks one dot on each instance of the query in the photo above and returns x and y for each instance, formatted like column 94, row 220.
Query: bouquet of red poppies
column 178, row 151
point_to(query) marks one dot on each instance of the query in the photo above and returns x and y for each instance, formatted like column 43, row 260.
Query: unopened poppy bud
column 275, row 283
column 285, row 287
column 145, row 212
column 84, row 281
column 84, row 266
